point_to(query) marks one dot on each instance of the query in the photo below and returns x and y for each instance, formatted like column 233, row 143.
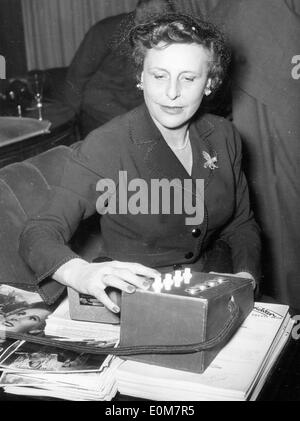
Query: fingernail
column 130, row 288
column 116, row 309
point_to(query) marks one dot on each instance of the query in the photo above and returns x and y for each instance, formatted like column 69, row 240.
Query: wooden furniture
column 63, row 131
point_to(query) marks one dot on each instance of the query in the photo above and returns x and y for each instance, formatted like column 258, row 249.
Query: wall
column 54, row 28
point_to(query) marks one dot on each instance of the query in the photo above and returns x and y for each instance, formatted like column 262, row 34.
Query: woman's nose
column 173, row 89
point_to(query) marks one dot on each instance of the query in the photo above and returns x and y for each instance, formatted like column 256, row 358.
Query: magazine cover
column 20, row 312
column 29, row 356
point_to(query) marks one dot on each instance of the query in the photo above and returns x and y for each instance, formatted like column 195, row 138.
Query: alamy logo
column 160, row 196
column 296, row 69
column 296, row 328
column 2, row 67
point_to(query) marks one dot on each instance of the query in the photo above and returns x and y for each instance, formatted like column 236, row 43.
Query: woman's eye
column 189, row 79
column 159, row 77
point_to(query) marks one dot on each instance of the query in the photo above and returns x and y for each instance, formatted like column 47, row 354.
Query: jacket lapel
column 159, row 158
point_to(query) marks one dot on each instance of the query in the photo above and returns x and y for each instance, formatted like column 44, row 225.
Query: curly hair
column 179, row 28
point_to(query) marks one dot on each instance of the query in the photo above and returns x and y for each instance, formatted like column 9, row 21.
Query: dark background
column 12, row 42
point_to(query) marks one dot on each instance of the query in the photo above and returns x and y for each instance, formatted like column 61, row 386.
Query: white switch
column 187, row 275
column 177, row 278
column 157, row 284
column 168, row 281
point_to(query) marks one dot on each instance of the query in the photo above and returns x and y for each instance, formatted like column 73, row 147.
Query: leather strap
column 223, row 336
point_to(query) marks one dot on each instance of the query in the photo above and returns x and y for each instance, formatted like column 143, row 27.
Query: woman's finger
column 129, row 277
column 101, row 295
column 117, row 282
column 137, row 268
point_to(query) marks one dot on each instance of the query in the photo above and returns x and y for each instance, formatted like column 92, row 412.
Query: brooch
column 210, row 161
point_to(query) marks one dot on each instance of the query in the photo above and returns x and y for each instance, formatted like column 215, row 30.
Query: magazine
column 38, row 367
column 29, row 356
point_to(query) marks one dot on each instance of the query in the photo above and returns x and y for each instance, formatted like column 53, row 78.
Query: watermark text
column 296, row 328
column 159, row 196
column 296, row 69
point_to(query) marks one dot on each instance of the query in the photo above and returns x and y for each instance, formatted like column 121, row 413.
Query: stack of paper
column 39, row 370
column 237, row 373
column 60, row 324
column 43, row 370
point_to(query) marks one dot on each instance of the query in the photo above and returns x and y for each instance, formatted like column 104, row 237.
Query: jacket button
column 189, row 255
column 196, row 232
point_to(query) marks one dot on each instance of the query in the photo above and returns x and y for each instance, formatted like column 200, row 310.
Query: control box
column 87, row 308
column 179, row 308
column 182, row 308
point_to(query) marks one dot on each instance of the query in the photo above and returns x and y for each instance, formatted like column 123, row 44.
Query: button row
column 169, row 281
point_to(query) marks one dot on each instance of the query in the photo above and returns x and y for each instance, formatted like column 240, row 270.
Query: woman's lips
column 171, row 110
column 8, row 324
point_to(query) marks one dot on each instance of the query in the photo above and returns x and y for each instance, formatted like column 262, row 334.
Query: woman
column 27, row 319
column 179, row 60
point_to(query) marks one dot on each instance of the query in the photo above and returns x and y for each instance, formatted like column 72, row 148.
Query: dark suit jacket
column 101, row 79
column 132, row 143
column 266, row 101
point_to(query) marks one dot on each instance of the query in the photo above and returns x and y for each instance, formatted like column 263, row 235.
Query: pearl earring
column 207, row 90
column 139, row 85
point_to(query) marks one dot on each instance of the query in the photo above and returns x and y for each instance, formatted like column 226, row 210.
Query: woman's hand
column 93, row 278
column 245, row 275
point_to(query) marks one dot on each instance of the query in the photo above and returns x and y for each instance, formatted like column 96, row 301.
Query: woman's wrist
column 247, row 275
column 66, row 274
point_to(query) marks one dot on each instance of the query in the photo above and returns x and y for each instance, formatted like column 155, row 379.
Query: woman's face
column 24, row 320
column 174, row 79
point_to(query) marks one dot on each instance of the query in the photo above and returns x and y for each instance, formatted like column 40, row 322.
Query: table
column 63, row 131
column 283, row 383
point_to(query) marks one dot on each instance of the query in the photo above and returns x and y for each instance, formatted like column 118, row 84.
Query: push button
column 189, row 255
column 196, row 232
